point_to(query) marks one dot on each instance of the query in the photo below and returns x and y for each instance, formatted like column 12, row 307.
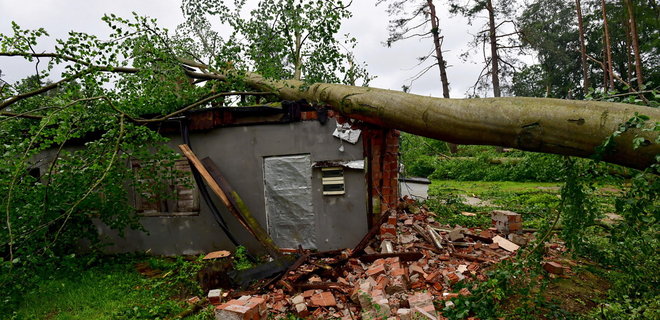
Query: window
column 333, row 181
column 165, row 190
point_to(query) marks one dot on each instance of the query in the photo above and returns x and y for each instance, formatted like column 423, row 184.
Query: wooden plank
column 215, row 187
column 435, row 237
column 506, row 244
column 322, row 286
column 372, row 233
column 403, row 256
column 470, row 258
column 242, row 208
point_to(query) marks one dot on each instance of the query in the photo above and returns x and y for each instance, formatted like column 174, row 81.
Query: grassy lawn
column 535, row 201
column 493, row 188
column 111, row 290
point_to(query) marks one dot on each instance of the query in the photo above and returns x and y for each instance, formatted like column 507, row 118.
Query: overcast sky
column 393, row 66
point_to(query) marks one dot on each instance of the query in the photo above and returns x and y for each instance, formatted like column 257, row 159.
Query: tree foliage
column 550, row 30
column 70, row 132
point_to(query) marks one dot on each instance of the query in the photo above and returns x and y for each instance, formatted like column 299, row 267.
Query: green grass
column 111, row 290
column 490, row 189
column 534, row 200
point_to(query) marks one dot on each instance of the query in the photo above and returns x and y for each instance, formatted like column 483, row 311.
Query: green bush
column 532, row 167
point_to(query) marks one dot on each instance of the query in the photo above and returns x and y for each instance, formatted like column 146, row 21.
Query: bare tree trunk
column 583, row 49
column 608, row 47
column 495, row 69
column 494, row 57
column 442, row 64
column 630, row 65
column 297, row 68
column 557, row 126
column 635, row 43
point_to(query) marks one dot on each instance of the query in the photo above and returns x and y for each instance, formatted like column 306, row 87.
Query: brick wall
column 381, row 151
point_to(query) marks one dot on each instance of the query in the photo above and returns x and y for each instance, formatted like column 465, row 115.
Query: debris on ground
column 403, row 264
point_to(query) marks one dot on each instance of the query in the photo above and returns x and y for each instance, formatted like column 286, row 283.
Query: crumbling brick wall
column 381, row 151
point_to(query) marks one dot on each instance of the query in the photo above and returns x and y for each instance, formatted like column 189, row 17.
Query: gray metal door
column 289, row 209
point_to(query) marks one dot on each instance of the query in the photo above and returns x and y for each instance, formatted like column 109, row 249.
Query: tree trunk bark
column 557, row 126
column 608, row 48
column 495, row 69
column 635, row 44
column 494, row 57
column 630, row 65
column 442, row 64
column 297, row 68
column 583, row 49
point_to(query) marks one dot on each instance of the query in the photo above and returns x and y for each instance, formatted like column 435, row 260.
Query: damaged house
column 308, row 176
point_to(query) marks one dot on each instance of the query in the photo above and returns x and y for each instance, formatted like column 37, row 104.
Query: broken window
column 333, row 181
column 163, row 190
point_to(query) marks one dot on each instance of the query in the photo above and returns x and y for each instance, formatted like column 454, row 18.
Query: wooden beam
column 242, row 208
column 254, row 229
column 403, row 256
column 372, row 233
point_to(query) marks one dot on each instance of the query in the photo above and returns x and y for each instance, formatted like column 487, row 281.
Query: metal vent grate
column 333, row 181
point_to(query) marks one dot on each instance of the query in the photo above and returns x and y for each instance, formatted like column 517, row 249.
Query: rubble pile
column 401, row 267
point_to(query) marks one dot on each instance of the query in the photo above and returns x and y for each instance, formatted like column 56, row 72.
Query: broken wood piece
column 367, row 237
column 462, row 243
column 217, row 255
column 505, row 244
column 435, row 237
column 423, row 233
column 438, row 229
column 262, row 236
column 236, row 201
column 322, row 286
column 403, row 256
column 302, row 259
column 286, row 285
column 470, row 258
column 479, row 238
column 493, row 252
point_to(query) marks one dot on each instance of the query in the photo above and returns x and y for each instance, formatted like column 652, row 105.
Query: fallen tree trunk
column 565, row 127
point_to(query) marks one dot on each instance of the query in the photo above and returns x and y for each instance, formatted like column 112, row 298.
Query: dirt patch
column 579, row 293
column 476, row 202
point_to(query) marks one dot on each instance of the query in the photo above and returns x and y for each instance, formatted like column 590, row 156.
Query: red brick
column 375, row 271
column 448, row 296
column 431, row 277
column 392, row 220
column 392, row 263
column 553, row 267
column 387, row 230
column 308, row 293
column 324, row 299
column 381, row 282
column 245, row 308
column 453, row 278
column 309, row 115
column 422, row 301
column 397, row 272
column 415, row 268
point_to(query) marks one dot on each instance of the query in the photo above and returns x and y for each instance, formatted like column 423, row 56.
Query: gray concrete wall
column 341, row 221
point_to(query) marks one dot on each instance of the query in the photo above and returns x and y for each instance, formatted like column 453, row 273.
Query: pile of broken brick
column 404, row 264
